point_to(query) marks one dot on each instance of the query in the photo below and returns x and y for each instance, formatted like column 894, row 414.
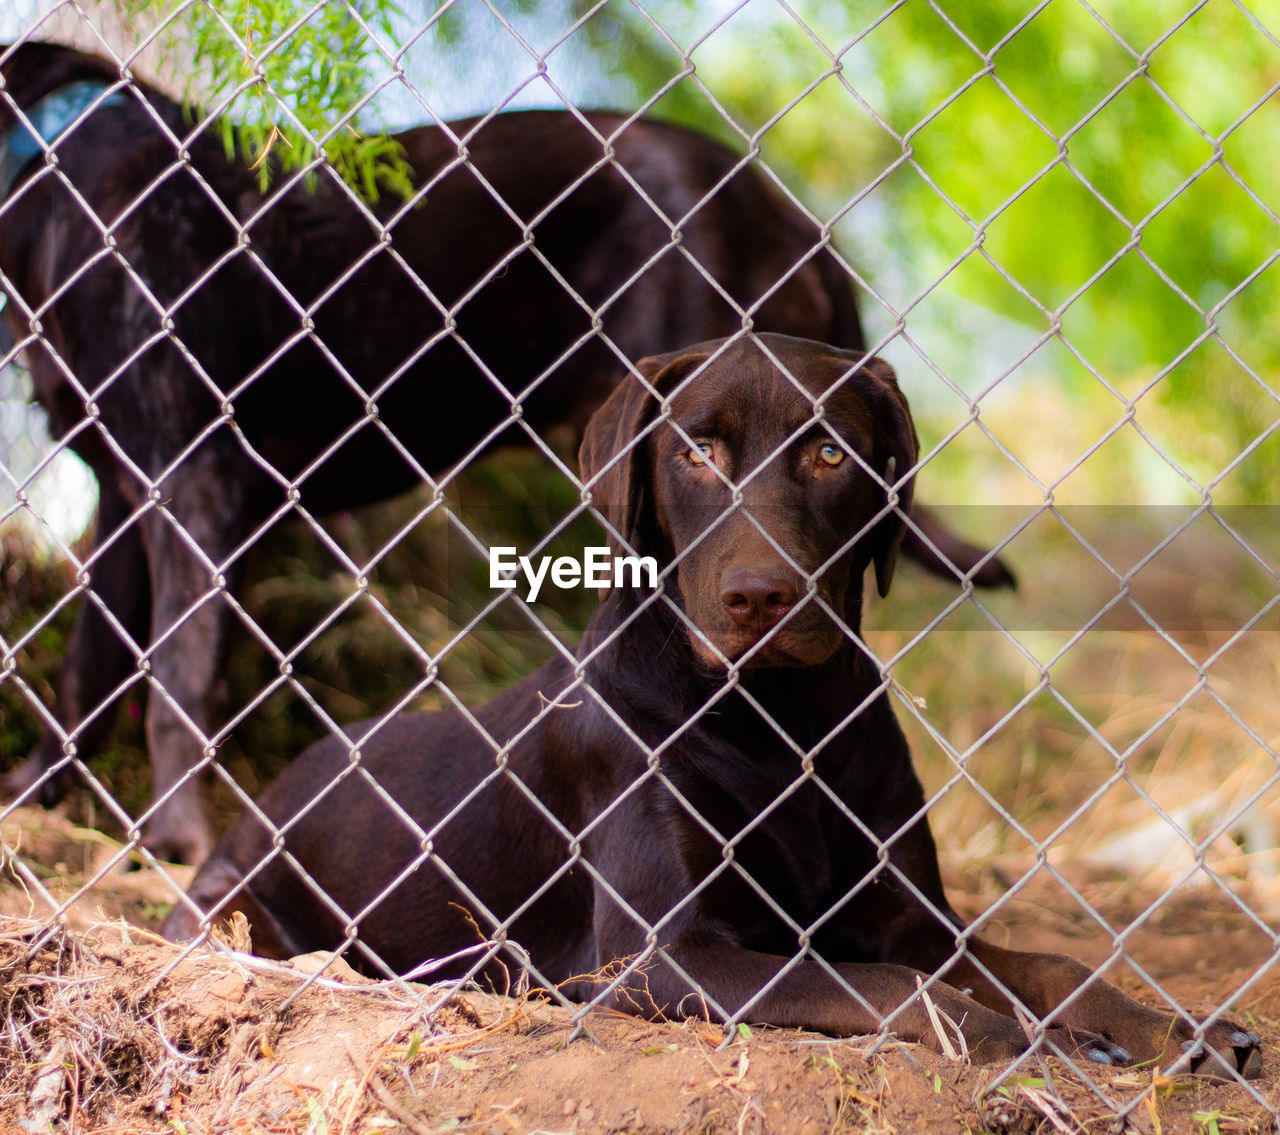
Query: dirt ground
column 108, row 1029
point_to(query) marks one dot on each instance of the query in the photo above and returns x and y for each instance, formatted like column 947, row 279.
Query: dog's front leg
column 200, row 520
column 861, row 999
column 1064, row 992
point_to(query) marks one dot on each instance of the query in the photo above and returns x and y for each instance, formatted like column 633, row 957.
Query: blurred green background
column 1062, row 221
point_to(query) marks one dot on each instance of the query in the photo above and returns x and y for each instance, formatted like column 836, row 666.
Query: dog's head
column 764, row 481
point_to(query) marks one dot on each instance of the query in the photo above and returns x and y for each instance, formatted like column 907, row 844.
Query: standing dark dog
column 243, row 356
column 715, row 784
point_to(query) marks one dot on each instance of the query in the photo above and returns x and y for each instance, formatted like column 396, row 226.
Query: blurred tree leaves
column 1110, row 172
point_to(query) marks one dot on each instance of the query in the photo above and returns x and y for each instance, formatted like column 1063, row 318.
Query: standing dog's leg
column 202, row 517
column 98, row 660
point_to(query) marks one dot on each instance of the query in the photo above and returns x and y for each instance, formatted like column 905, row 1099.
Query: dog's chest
column 794, row 840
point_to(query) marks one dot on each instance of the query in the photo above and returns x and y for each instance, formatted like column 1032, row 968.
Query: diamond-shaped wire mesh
column 1058, row 223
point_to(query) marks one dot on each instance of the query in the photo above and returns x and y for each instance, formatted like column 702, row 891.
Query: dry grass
column 1146, row 751
column 115, row 1031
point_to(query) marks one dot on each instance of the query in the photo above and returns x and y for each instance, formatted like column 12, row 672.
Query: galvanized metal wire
column 18, row 479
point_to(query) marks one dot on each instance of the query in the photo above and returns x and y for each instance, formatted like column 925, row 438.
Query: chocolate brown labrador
column 711, row 805
column 224, row 359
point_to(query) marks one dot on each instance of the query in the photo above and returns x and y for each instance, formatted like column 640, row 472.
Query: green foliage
column 1114, row 181
column 294, row 78
column 33, row 612
column 30, row 587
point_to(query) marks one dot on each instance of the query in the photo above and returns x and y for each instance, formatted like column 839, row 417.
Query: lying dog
column 713, row 784
column 245, row 356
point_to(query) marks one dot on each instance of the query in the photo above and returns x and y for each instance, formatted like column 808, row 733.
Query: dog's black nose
column 758, row 596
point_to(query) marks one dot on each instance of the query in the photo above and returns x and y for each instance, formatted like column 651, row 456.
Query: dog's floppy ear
column 612, row 457
column 895, row 451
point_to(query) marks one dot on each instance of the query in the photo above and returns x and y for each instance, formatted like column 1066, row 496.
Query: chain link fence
column 1078, row 310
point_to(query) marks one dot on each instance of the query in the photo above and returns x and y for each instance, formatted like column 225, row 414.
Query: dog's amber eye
column 831, row 454
column 702, row 452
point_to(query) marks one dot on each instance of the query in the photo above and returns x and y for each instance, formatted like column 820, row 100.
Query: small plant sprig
column 294, row 70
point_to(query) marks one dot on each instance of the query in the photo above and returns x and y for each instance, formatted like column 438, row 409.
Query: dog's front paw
column 1223, row 1050
column 1081, row 1045
column 999, row 1039
column 1155, row 1038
